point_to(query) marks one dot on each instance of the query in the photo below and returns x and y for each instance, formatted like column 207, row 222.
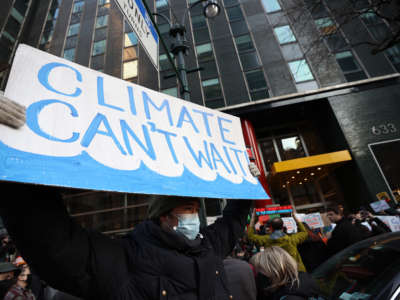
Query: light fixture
column 211, row 9
column 312, row 174
column 292, row 177
column 300, row 182
column 283, row 186
column 319, row 168
column 305, row 179
column 298, row 172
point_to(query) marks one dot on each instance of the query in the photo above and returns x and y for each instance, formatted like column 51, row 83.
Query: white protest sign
column 380, row 205
column 85, row 129
column 137, row 16
column 290, row 224
column 393, row 222
column 314, row 220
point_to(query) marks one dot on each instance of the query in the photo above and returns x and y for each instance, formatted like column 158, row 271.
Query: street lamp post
column 180, row 48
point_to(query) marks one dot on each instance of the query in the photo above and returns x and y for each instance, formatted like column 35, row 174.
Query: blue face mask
column 188, row 225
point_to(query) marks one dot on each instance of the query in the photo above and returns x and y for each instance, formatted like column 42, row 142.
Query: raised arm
column 302, row 234
column 65, row 255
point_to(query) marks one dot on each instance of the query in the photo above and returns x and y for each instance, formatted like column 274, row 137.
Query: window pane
column 130, row 39
column 234, row 13
column 101, row 21
column 130, row 69
column 99, row 47
column 73, row 29
column 69, row 54
column 300, row 70
column 244, row 43
column 199, row 22
column 164, row 62
column 161, row 4
column 291, row 147
column 262, row 94
column 204, row 52
column 78, row 6
column 130, row 53
column 249, row 60
column 230, row 2
column 347, row 62
column 97, row 62
column 21, row 6
column 271, row 5
column 201, row 35
column 326, row 26
column 255, row 79
column 71, row 42
column 100, row 34
column 394, row 54
column 215, row 103
column 171, row 91
column 284, row 34
column 212, row 88
column 16, row 15
column 239, row 28
column 209, row 69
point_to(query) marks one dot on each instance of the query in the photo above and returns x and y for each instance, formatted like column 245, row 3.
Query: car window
column 362, row 271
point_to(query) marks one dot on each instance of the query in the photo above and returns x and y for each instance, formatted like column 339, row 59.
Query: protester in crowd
column 278, row 276
column 163, row 256
column 8, row 274
column 279, row 238
column 375, row 225
column 21, row 290
column 241, row 279
column 313, row 251
column 7, row 247
column 344, row 234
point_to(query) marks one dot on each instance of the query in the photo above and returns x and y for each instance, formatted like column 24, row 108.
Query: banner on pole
column 86, row 129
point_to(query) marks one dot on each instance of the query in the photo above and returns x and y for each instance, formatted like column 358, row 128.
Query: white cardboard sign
column 89, row 130
column 392, row 221
column 314, row 220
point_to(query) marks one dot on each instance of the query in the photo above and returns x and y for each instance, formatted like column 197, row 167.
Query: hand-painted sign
column 85, row 129
column 380, row 205
column 314, row 220
column 290, row 224
column 392, row 221
column 138, row 18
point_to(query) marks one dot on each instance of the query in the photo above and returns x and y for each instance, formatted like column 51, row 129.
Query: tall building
column 322, row 135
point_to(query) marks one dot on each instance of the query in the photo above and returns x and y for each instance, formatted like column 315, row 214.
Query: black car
column 369, row 269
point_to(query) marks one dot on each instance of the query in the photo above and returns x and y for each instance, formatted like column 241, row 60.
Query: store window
column 271, row 5
column 349, row 65
column 300, row 70
column 284, row 34
column 130, row 69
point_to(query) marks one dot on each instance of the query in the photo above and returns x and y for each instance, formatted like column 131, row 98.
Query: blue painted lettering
column 147, row 100
column 229, row 160
column 217, row 158
column 32, row 115
column 184, row 116
column 100, row 95
column 205, row 116
column 200, row 157
column 148, row 149
column 94, row 129
column 44, row 73
column 131, row 100
column 223, row 130
column 236, row 151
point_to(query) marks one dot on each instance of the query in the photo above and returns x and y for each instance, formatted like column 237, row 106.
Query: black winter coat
column 344, row 235
column 149, row 263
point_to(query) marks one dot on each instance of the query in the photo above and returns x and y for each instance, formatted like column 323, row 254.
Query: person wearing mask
column 278, row 277
column 164, row 257
column 279, row 238
column 21, row 290
column 344, row 234
column 8, row 274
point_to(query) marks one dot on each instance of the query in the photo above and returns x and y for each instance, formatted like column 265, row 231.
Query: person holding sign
column 281, row 239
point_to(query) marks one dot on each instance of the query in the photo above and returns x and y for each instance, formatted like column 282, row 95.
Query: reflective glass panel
column 300, row 70
column 284, row 34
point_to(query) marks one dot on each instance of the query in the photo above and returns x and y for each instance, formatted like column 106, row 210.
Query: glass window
column 211, row 88
column 69, row 54
column 201, row 35
column 12, row 27
column 336, row 42
column 97, row 62
column 101, row 21
column 244, row 43
column 394, row 56
column 130, row 39
column 255, row 79
column 130, row 69
column 130, row 53
column 164, row 62
column 291, row 147
column 78, row 6
column 199, row 22
column 171, row 91
column 161, row 4
column 230, row 2
column 271, row 5
column 16, row 15
column 73, row 29
column 249, row 60
column 103, row 2
column 21, row 6
column 234, row 13
column 284, row 34
column 239, row 28
column 325, row 25
column 100, row 34
column 209, row 69
column 259, row 94
column 99, row 47
column 349, row 65
column 71, row 42
column 204, row 52
column 300, row 70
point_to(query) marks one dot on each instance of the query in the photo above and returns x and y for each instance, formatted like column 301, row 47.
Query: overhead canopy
column 305, row 169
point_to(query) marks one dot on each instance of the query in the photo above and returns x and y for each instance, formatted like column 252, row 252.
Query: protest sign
column 392, row 221
column 290, row 224
column 85, row 129
column 380, row 205
column 314, row 220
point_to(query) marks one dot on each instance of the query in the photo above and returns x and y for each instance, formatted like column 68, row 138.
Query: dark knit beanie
column 160, row 205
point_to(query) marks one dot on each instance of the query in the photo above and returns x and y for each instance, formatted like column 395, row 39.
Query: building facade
column 294, row 76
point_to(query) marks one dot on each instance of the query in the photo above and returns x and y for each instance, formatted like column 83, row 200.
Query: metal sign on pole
column 140, row 21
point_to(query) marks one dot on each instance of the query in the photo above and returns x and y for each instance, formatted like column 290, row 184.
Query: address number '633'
column 383, row 129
